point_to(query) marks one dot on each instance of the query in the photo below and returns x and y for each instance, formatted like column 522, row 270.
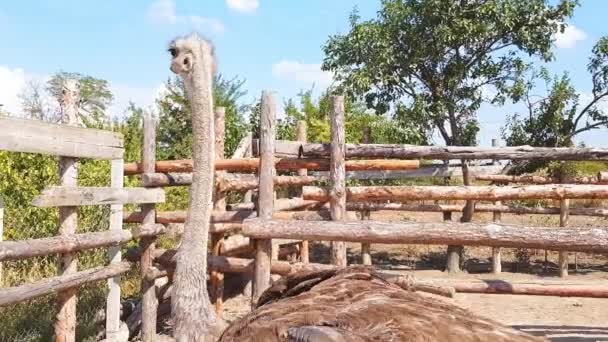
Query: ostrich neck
column 198, row 87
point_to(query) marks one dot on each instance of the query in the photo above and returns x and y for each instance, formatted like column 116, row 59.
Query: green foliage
column 557, row 118
column 317, row 115
column 430, row 61
column 554, row 120
column 174, row 133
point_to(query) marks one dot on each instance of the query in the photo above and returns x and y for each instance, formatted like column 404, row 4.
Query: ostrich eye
column 173, row 52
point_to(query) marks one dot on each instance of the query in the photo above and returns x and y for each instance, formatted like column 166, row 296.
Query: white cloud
column 243, row 6
column 302, row 73
column 12, row 82
column 164, row 12
column 569, row 38
column 141, row 96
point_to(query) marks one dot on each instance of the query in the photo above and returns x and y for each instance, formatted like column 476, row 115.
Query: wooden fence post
column 301, row 137
column 563, row 222
column 147, row 244
column 113, row 298
column 266, row 174
column 366, row 256
column 337, row 176
column 65, row 326
column 219, row 205
column 496, row 216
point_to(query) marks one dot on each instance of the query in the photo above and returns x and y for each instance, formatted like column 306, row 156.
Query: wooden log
column 236, row 245
column 337, row 171
column 288, row 204
column 459, row 152
column 301, row 136
column 248, row 182
column 283, row 164
column 563, row 222
column 56, row 196
column 148, row 244
column 504, row 287
column 531, row 179
column 13, row 295
column 66, row 243
column 366, row 256
column 496, row 253
column 266, row 173
column 243, row 146
column 219, row 205
column 453, row 170
column 65, row 324
column 486, row 193
column 166, row 179
column 593, row 240
column 114, row 255
column 34, row 136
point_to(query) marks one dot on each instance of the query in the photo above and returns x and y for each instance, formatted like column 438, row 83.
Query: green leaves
column 437, row 57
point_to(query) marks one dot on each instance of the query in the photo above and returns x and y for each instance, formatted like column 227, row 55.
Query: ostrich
column 192, row 314
column 357, row 304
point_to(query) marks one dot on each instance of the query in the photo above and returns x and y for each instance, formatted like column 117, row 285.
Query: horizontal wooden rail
column 166, row 217
column 15, row 250
column 32, row 136
column 282, row 164
column 57, row 196
column 229, row 264
column 538, row 179
column 459, row 152
column 442, row 233
column 511, row 288
column 227, row 182
column 486, row 193
column 423, row 171
column 47, row 286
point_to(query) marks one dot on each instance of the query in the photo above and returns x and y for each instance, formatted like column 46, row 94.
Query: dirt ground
column 560, row 319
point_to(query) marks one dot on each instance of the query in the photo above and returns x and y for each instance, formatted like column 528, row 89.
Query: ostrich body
column 193, row 316
column 356, row 304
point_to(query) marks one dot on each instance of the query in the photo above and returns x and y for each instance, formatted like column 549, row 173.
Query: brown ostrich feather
column 358, row 304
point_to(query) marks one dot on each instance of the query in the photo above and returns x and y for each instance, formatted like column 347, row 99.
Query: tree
column 95, row 96
column 33, row 104
column 431, row 61
column 557, row 118
column 175, row 125
column 316, row 114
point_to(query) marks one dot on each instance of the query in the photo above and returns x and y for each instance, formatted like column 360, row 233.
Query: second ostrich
column 192, row 315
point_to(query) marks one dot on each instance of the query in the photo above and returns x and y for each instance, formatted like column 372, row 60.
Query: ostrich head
column 187, row 51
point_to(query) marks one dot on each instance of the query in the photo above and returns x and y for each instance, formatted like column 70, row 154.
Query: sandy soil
column 560, row 319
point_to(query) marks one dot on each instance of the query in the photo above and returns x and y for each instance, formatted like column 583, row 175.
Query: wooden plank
column 282, row 148
column 18, row 135
column 563, row 222
column 337, row 177
column 13, row 295
column 66, row 243
column 593, row 240
column 487, row 193
column 114, row 255
column 56, row 196
column 261, row 275
column 460, row 152
column 148, row 244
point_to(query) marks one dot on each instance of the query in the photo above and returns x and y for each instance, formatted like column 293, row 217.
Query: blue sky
column 272, row 44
